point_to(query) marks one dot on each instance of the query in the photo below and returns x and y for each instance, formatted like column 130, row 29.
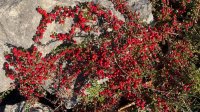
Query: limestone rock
column 18, row 22
column 144, row 8
column 23, row 107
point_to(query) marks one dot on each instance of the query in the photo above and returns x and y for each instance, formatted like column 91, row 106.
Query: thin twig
column 126, row 106
column 57, row 107
column 119, row 66
column 172, row 33
column 189, row 110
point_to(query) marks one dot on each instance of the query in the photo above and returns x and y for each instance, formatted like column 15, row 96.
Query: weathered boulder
column 18, row 22
column 24, row 107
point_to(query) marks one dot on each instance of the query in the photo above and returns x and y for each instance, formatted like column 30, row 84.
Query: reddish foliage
column 131, row 56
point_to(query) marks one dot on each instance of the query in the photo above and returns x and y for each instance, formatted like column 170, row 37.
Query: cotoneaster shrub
column 29, row 70
column 147, row 65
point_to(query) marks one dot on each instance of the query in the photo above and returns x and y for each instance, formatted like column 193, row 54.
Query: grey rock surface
column 144, row 8
column 19, row 20
column 23, row 107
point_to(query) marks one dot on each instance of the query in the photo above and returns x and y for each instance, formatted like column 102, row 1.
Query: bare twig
column 57, row 107
column 126, row 106
column 188, row 108
column 119, row 66
column 172, row 33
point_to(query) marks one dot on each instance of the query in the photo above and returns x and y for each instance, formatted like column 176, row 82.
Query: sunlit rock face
column 144, row 8
column 22, row 106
